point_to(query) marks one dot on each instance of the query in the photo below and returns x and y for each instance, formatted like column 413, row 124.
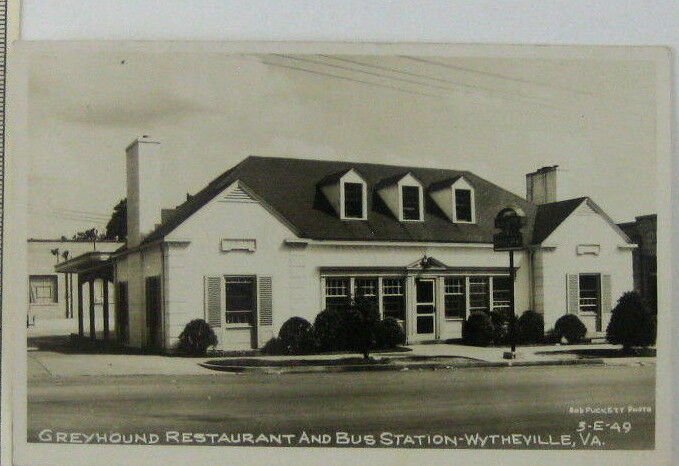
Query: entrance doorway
column 153, row 310
column 590, row 301
column 122, row 314
column 425, row 306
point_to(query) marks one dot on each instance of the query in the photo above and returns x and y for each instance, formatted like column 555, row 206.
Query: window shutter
column 606, row 304
column 213, row 301
column 265, row 301
column 573, row 291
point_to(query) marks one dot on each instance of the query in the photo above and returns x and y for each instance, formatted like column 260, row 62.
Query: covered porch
column 94, row 271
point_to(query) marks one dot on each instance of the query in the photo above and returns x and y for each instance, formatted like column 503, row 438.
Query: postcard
column 289, row 252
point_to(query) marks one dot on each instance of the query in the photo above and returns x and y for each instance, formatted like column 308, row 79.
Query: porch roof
column 90, row 262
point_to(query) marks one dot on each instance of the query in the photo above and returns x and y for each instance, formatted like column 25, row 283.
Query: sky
column 497, row 117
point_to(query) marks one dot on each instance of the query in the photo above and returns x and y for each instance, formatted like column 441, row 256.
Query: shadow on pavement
column 604, row 353
column 72, row 344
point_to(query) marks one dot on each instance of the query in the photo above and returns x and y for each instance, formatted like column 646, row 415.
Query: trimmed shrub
column 196, row 338
column 570, row 327
column 274, row 347
column 501, row 320
column 389, row 333
column 478, row 329
column 530, row 327
column 330, row 330
column 296, row 336
column 631, row 323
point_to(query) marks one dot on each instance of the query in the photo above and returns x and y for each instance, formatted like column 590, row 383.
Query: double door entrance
column 425, row 308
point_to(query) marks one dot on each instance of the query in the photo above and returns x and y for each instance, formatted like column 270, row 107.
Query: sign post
column 509, row 221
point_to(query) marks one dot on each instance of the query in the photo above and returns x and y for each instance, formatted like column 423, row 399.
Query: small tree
column 116, row 228
column 196, row 338
column 330, row 330
column 631, row 323
column 361, row 318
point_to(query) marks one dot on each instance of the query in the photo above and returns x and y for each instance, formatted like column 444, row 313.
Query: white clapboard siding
column 573, row 293
column 265, row 301
column 213, row 301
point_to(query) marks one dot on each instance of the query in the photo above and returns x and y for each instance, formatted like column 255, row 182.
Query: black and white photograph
column 335, row 246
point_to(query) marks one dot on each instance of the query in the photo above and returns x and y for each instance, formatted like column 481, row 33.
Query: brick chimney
column 541, row 185
column 143, row 188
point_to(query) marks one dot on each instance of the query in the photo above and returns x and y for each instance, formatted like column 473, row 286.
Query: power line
column 496, row 75
column 408, row 81
column 86, row 212
column 378, row 75
column 321, row 73
column 438, row 79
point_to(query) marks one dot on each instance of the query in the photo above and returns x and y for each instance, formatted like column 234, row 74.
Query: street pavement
column 527, row 401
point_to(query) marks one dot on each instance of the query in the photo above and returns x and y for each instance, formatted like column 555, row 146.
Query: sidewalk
column 55, row 359
column 533, row 353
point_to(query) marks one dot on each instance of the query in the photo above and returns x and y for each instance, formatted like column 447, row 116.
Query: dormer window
column 347, row 193
column 410, row 201
column 463, row 205
column 402, row 194
column 353, row 200
column 455, row 197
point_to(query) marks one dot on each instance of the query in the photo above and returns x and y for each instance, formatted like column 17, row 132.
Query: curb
column 396, row 367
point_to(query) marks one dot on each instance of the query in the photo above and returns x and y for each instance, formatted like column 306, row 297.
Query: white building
column 50, row 294
column 273, row 238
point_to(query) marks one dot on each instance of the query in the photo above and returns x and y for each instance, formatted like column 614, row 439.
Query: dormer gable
column 347, row 193
column 403, row 194
column 456, row 198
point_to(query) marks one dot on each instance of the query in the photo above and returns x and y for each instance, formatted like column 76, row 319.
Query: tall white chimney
column 541, row 185
column 143, row 188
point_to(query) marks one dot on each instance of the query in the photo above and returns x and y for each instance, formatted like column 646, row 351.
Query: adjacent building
column 643, row 231
column 50, row 294
column 273, row 238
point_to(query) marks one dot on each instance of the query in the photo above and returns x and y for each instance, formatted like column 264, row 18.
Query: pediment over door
column 427, row 263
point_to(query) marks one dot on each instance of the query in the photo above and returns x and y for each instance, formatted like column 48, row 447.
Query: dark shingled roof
column 447, row 183
column 291, row 188
column 550, row 216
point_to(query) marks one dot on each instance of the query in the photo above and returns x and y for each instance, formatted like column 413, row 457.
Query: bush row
column 353, row 328
column 357, row 327
column 632, row 324
column 482, row 329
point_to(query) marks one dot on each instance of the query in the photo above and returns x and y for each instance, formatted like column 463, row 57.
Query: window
column 410, row 199
column 240, row 300
column 463, row 205
column 353, row 200
column 502, row 287
column 589, row 293
column 478, row 294
column 366, row 288
column 455, row 300
column 393, row 298
column 43, row 289
column 336, row 293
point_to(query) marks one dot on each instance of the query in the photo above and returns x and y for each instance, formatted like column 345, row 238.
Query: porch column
column 93, row 335
column 105, row 285
column 81, row 326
